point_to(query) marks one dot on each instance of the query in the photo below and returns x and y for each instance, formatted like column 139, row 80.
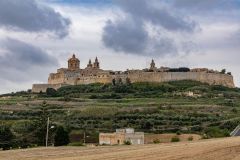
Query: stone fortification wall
column 210, row 78
column 60, row 78
column 37, row 88
column 95, row 79
column 140, row 76
column 73, row 75
column 57, row 78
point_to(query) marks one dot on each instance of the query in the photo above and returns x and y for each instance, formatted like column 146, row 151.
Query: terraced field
column 178, row 108
column 220, row 149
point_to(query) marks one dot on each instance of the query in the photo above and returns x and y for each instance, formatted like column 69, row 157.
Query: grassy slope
column 157, row 108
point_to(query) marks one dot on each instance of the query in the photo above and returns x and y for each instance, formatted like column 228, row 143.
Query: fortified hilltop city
column 92, row 73
column 119, row 80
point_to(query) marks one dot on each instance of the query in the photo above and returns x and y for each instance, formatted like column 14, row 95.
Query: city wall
column 38, row 88
column 209, row 78
column 139, row 76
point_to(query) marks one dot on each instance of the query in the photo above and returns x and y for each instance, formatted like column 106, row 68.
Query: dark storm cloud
column 145, row 10
column 126, row 35
column 19, row 60
column 130, row 35
column 161, row 46
column 32, row 16
column 207, row 4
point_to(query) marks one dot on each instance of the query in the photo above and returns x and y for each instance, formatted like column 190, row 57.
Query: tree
column 41, row 125
column 51, row 92
column 147, row 125
column 114, row 81
column 6, row 138
column 61, row 137
column 120, row 81
column 128, row 81
column 223, row 71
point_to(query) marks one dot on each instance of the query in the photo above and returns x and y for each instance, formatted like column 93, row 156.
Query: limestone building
column 121, row 136
column 92, row 73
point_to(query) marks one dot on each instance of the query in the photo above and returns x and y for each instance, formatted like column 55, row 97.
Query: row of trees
column 118, row 90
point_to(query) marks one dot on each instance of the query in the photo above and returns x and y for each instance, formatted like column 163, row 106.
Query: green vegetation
column 190, row 138
column 6, row 138
column 127, row 143
column 61, row 137
column 75, row 144
column 175, row 139
column 171, row 107
column 40, row 124
column 216, row 132
column 156, row 141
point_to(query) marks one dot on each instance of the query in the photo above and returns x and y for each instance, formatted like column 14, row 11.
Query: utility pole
column 47, row 132
column 84, row 137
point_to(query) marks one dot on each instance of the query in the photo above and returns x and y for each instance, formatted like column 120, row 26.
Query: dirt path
column 217, row 149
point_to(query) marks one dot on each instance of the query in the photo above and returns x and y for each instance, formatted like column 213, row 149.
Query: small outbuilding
column 121, row 136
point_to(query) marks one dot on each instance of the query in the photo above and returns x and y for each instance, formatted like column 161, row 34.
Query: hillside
column 221, row 149
column 173, row 107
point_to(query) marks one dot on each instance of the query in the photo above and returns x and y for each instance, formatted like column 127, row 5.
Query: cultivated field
column 215, row 149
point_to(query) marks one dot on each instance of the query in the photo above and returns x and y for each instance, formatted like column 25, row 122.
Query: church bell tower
column 73, row 63
column 96, row 63
column 153, row 66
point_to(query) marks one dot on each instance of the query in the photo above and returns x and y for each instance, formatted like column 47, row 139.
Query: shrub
column 216, row 132
column 178, row 133
column 6, row 138
column 190, row 138
column 66, row 99
column 182, row 69
column 51, row 92
column 218, row 88
column 61, row 137
column 93, row 96
column 234, row 110
column 76, row 144
column 156, row 141
column 127, row 143
column 204, row 136
column 175, row 139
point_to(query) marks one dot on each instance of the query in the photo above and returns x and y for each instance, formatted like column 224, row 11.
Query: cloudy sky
column 38, row 36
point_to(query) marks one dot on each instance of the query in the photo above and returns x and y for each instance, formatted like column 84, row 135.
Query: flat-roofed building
column 121, row 136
